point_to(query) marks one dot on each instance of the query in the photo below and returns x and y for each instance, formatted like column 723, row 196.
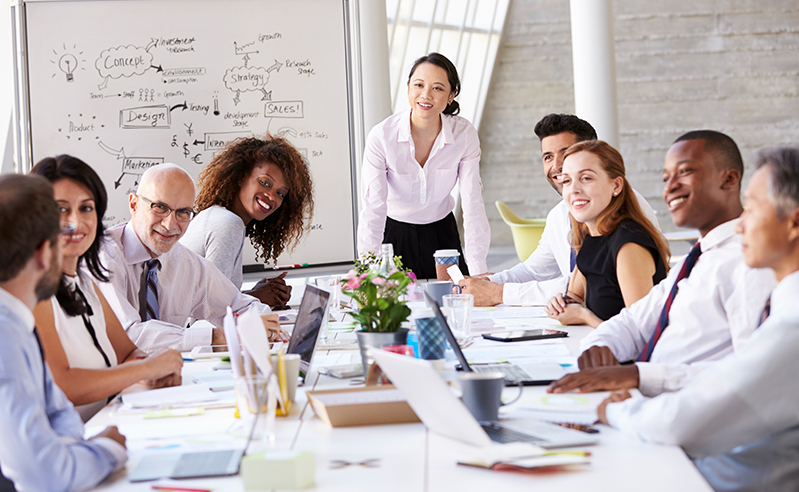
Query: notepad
column 510, row 313
column 165, row 397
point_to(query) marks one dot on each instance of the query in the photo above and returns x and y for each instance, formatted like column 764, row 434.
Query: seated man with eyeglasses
column 157, row 284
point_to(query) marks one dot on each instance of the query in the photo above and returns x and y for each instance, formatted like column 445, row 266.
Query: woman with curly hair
column 258, row 188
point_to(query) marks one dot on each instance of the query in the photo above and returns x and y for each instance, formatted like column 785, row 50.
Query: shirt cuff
column 651, row 378
column 511, row 294
column 196, row 337
column 117, row 451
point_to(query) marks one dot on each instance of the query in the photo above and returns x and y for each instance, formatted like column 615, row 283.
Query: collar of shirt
column 17, row 308
column 783, row 297
column 719, row 235
column 404, row 129
column 134, row 249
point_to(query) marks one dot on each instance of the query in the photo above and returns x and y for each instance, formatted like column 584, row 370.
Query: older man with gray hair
column 738, row 418
column 156, row 283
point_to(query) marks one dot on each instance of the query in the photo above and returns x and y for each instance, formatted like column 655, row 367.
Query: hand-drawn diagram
column 246, row 78
column 125, row 61
column 134, row 166
column 67, row 62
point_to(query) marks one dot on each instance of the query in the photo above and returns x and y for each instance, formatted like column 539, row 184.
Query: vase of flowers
column 381, row 308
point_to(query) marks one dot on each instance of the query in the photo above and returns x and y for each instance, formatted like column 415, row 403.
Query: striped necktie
column 766, row 312
column 663, row 322
column 148, row 292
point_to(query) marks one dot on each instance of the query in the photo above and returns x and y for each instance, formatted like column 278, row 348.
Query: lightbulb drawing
column 68, row 63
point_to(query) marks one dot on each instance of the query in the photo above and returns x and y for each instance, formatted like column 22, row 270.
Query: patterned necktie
column 766, row 312
column 148, row 293
column 663, row 322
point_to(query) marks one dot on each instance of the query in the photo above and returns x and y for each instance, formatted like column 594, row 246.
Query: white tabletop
column 410, row 457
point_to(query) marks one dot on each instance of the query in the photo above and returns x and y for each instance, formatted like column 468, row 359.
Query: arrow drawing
column 275, row 66
column 120, row 154
column 199, row 142
column 184, row 106
column 158, row 68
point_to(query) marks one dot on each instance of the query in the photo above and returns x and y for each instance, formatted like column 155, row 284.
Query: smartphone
column 521, row 335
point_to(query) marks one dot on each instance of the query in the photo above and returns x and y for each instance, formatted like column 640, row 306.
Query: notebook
column 527, row 374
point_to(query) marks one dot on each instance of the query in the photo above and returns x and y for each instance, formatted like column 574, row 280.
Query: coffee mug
column 437, row 289
column 292, row 373
column 481, row 392
column 445, row 258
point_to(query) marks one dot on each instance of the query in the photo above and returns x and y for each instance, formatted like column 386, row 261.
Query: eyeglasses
column 163, row 210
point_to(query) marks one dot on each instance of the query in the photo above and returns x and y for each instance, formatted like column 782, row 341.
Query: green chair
column 526, row 232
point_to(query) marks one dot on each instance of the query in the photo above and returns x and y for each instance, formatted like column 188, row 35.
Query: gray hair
column 783, row 177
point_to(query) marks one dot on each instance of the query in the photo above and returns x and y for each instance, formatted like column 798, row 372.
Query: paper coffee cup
column 444, row 259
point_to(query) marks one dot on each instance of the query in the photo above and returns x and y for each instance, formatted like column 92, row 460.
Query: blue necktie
column 148, row 296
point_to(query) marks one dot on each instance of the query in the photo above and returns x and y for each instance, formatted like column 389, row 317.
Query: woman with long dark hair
column 89, row 353
column 621, row 255
column 411, row 164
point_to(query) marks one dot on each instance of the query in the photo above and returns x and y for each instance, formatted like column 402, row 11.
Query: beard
column 48, row 284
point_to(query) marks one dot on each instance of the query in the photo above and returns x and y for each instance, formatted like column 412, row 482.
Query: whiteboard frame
column 22, row 122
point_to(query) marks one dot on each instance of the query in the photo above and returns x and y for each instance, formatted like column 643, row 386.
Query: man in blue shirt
column 41, row 435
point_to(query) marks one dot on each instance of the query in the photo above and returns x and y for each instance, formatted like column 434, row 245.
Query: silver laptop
column 310, row 318
column 194, row 464
column 527, row 374
column 444, row 414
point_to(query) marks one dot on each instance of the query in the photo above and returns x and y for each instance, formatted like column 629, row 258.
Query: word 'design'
column 145, row 117
column 283, row 109
column 137, row 165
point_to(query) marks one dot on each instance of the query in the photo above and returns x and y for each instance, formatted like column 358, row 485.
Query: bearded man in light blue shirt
column 42, row 447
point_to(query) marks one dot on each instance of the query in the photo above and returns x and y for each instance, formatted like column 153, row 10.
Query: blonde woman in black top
column 620, row 254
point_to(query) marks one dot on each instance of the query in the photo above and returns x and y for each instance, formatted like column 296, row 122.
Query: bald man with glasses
column 157, row 285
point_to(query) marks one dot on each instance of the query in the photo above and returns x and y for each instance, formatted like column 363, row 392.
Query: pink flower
column 411, row 275
column 350, row 275
column 379, row 281
column 353, row 283
column 364, row 275
column 393, row 271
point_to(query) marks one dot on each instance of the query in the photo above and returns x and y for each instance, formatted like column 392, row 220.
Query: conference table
column 398, row 457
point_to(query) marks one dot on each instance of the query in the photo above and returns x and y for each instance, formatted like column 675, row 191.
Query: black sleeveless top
column 597, row 262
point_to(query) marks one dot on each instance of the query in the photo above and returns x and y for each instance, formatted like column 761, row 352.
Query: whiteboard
column 127, row 84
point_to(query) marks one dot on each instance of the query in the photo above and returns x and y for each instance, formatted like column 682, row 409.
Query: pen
column 296, row 265
column 181, row 489
column 573, row 453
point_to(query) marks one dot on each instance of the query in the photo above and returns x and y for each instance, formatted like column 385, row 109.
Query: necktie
column 766, row 312
column 148, row 292
column 663, row 322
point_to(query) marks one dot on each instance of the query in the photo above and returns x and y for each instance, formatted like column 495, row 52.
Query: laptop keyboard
column 500, row 434
column 512, row 372
column 207, row 463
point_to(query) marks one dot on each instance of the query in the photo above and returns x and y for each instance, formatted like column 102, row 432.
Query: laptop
column 194, row 464
column 443, row 413
column 527, row 374
column 311, row 315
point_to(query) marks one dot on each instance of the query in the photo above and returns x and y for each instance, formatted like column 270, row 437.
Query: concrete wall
column 728, row 65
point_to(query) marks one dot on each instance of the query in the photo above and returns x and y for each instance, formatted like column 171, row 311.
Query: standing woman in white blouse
column 89, row 353
column 412, row 161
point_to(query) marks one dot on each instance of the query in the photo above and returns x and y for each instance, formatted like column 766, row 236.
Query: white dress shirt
column 740, row 414
column 395, row 185
column 716, row 309
column 188, row 287
column 546, row 272
column 76, row 340
column 41, row 435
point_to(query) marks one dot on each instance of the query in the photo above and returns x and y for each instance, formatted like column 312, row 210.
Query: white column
column 374, row 62
column 594, row 58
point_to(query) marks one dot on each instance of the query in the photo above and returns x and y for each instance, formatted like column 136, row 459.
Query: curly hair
column 221, row 180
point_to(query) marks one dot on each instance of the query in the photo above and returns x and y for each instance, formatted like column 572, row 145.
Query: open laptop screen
column 453, row 342
column 311, row 315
